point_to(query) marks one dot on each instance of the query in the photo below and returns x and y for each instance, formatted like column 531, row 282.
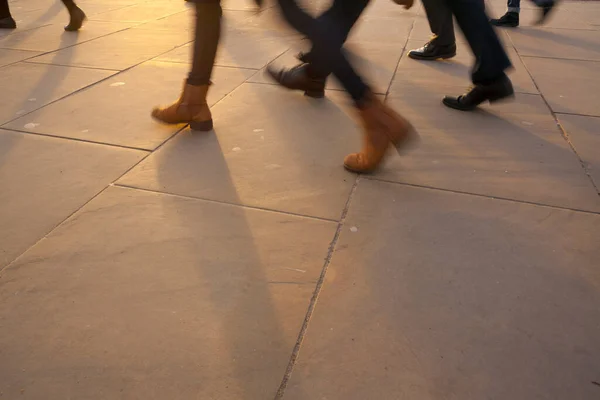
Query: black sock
column 4, row 10
column 206, row 41
column 70, row 4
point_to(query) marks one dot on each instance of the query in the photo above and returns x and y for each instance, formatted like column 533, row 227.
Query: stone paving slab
column 584, row 135
column 512, row 150
column 12, row 56
column 261, row 156
column 51, row 13
column 142, row 12
column 53, row 37
column 39, row 85
column 194, row 275
column 570, row 86
column 119, row 51
column 144, row 295
column 44, row 180
column 440, row 295
column 125, row 119
column 564, row 43
column 381, row 30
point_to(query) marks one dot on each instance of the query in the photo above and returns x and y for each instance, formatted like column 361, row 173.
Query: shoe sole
column 442, row 57
column 491, row 100
column 202, row 126
column 506, row 25
column 77, row 26
column 314, row 94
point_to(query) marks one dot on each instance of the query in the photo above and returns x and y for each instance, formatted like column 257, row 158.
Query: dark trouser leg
column 440, row 20
column 70, row 4
column 345, row 13
column 4, row 10
column 490, row 58
column 327, row 39
column 206, row 41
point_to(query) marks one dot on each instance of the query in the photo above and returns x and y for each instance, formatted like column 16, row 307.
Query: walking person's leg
column 443, row 43
column 491, row 83
column 511, row 18
column 381, row 125
column 76, row 16
column 192, row 107
column 346, row 13
column 6, row 19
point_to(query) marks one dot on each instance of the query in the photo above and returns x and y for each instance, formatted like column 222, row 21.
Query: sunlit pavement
column 143, row 261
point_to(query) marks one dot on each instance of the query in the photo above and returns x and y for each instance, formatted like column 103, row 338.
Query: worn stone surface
column 440, row 295
column 584, row 135
column 118, row 51
column 146, row 261
column 512, row 150
column 27, row 87
column 570, row 86
column 149, row 295
column 44, row 180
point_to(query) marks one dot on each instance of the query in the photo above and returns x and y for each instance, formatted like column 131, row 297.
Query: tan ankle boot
column 191, row 108
column 382, row 126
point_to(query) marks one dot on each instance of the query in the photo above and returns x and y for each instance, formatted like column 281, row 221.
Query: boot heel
column 203, row 126
column 315, row 94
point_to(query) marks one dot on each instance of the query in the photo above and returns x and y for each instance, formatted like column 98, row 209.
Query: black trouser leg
column 439, row 16
column 70, row 4
column 206, row 41
column 327, row 37
column 490, row 58
column 345, row 13
column 4, row 10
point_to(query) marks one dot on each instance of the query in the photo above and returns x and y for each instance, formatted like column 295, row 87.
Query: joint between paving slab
column 76, row 139
column 559, row 58
column 531, row 203
column 95, row 83
column 226, row 203
column 562, row 130
column 87, row 202
column 313, row 301
column 412, row 27
column 27, row 61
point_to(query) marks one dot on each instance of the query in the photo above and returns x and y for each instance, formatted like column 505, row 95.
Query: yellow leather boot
column 382, row 126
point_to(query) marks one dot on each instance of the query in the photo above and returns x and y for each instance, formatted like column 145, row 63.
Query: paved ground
column 141, row 261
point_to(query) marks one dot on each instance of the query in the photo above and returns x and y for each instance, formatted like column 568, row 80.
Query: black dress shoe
column 76, row 21
column 502, row 89
column 298, row 78
column 546, row 10
column 8, row 23
column 304, row 57
column 508, row 20
column 431, row 51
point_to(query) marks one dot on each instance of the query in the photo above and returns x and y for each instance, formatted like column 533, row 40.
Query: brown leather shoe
column 382, row 126
column 191, row 108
